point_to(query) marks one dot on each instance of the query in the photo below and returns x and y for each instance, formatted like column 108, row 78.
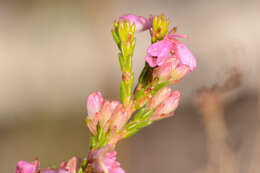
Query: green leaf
column 124, row 49
column 116, row 39
column 143, row 124
column 130, row 133
column 102, row 143
column 121, row 62
column 128, row 63
column 139, row 114
column 132, row 125
column 92, row 142
column 146, row 115
column 133, row 43
column 101, row 134
column 139, row 94
column 83, row 166
column 123, row 92
column 158, row 87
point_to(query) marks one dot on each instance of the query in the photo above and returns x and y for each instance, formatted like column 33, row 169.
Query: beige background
column 54, row 53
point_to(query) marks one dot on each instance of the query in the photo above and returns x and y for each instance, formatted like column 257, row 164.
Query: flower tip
column 140, row 22
column 26, row 167
column 94, row 103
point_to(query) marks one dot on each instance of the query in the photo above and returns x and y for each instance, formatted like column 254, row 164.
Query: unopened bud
column 94, row 103
column 160, row 96
column 169, row 104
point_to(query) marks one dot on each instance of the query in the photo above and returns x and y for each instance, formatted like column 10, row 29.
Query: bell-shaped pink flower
column 181, row 51
column 167, row 107
column 26, row 167
column 94, row 103
column 158, row 52
column 103, row 160
column 141, row 23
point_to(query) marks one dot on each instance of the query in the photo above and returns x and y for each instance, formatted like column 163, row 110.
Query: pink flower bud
column 160, row 96
column 179, row 73
column 141, row 23
column 172, row 70
column 118, row 119
column 94, row 103
column 106, row 112
column 73, row 165
column 158, row 52
column 168, row 105
column 104, row 160
column 26, row 167
column 92, row 123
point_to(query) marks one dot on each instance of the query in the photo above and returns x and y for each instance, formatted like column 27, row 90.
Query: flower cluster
column 74, row 165
column 104, row 160
column 167, row 61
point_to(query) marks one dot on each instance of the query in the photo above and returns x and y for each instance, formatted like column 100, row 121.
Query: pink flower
column 141, row 23
column 167, row 107
column 71, row 166
column 158, row 52
column 100, row 111
column 181, row 51
column 94, row 103
column 26, row 167
column 103, row 160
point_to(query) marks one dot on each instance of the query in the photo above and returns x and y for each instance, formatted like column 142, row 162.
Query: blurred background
column 54, row 53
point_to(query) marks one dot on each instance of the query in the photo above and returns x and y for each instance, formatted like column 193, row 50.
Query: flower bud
column 179, row 73
column 172, row 71
column 141, row 23
column 118, row 118
column 94, row 103
column 106, row 112
column 73, row 165
column 104, row 160
column 160, row 96
column 168, row 105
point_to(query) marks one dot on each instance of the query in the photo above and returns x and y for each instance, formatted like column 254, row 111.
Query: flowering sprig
column 123, row 35
column 167, row 61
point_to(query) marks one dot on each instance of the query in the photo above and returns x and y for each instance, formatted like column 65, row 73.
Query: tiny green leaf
column 158, row 87
column 123, row 92
column 130, row 133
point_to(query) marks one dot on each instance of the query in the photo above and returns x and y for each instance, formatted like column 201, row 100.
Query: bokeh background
column 54, row 53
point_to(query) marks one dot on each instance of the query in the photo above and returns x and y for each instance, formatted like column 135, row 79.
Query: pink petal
column 185, row 56
column 141, row 23
column 94, row 103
